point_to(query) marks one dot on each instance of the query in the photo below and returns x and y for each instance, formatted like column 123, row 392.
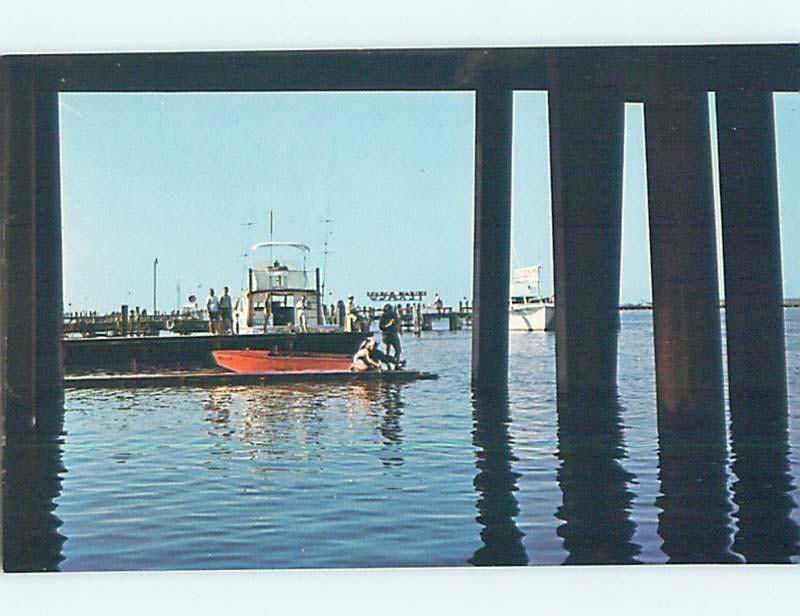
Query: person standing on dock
column 351, row 316
column 226, row 311
column 212, row 305
column 389, row 325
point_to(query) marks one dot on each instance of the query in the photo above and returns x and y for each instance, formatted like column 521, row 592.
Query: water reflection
column 390, row 428
column 596, row 499
column 496, row 483
column 218, row 412
column 766, row 532
column 695, row 518
column 33, row 467
column 381, row 402
column 280, row 421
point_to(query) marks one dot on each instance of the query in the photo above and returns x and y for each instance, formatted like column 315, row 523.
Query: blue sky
column 191, row 179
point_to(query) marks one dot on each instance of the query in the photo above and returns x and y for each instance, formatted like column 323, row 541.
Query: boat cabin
column 526, row 286
column 278, row 293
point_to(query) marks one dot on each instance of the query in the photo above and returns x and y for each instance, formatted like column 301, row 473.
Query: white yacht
column 278, row 294
column 528, row 310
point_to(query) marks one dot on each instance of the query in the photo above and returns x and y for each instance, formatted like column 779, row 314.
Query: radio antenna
column 325, row 252
column 328, row 220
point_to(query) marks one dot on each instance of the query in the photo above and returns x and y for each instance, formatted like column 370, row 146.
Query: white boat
column 528, row 310
column 278, row 295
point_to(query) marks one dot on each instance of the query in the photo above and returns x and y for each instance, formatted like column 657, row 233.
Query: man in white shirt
column 351, row 317
column 212, row 305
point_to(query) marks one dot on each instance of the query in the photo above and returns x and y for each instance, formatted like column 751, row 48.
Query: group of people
column 345, row 315
column 220, row 312
column 370, row 357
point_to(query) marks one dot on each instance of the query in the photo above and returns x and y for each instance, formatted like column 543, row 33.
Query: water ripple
column 383, row 474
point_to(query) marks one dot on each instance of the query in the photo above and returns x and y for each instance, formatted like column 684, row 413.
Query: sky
column 191, row 179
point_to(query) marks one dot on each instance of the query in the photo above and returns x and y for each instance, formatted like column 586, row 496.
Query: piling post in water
column 32, row 234
column 586, row 153
column 125, row 321
column 49, row 274
column 492, row 246
column 319, row 299
column 686, row 321
column 752, row 257
column 19, row 231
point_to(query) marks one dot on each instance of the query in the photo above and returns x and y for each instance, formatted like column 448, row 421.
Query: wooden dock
column 182, row 352
column 206, row 378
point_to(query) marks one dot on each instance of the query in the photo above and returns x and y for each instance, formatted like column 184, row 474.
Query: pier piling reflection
column 595, row 486
column 766, row 532
column 695, row 519
column 495, row 482
column 31, row 483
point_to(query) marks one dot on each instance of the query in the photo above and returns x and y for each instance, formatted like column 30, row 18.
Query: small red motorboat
column 274, row 362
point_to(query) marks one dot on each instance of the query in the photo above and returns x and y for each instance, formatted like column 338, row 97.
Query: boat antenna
column 244, row 256
column 270, row 236
column 325, row 252
column 328, row 220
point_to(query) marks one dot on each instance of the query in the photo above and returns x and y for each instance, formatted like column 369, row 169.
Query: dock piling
column 32, row 234
column 492, row 245
column 686, row 319
column 586, row 156
column 752, row 249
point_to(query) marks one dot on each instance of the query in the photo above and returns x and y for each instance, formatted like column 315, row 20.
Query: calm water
column 418, row 474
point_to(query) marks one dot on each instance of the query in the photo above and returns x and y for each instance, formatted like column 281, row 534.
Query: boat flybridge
column 528, row 310
column 278, row 295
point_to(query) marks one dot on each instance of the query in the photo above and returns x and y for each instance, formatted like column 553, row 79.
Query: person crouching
column 369, row 357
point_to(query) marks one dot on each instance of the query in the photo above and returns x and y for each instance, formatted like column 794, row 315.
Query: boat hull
column 531, row 317
column 268, row 362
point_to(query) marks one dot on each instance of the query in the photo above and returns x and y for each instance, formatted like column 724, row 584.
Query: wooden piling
column 417, row 319
column 32, row 236
column 686, row 320
column 19, row 225
column 492, row 245
column 586, row 156
column 751, row 233
column 49, row 276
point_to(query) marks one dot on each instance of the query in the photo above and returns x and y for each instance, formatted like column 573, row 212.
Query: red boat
column 273, row 362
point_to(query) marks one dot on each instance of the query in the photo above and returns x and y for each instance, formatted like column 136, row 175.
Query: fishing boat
column 278, row 296
column 273, row 362
column 528, row 310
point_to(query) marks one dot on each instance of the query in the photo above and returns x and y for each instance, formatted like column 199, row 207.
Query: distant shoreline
column 789, row 303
